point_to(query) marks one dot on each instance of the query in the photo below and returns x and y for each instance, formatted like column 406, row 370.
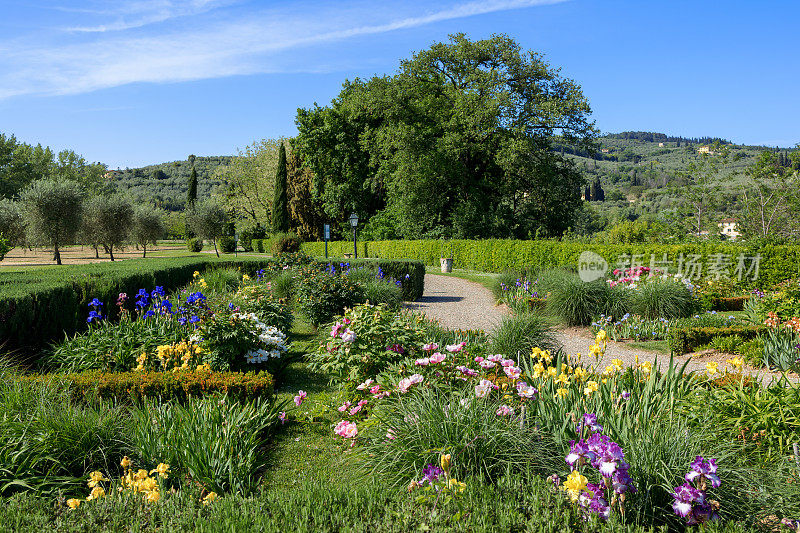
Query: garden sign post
column 354, row 223
column 327, row 230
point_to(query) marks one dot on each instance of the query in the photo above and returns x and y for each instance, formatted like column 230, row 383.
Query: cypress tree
column 191, row 195
column 280, row 208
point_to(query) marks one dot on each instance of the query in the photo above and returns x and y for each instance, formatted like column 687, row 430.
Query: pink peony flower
column 430, row 347
column 514, row 372
column 495, row 358
column 466, row 371
column 344, row 407
column 301, row 395
column 487, row 364
column 454, row 348
column 478, row 359
column 355, row 409
column 375, row 389
column 422, row 362
column 483, row 388
column 365, row 385
column 437, row 358
column 345, row 429
column 335, row 330
column 508, row 362
column 348, row 335
column 525, row 391
column 406, row 383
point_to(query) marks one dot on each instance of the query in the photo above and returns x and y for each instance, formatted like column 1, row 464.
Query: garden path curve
column 461, row 304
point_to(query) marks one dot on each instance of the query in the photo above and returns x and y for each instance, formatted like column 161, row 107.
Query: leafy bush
column 726, row 343
column 216, row 441
column 260, row 298
column 285, row 243
column 321, row 296
column 366, row 340
column 136, row 386
column 194, row 245
column 382, row 292
column 283, row 284
column 519, row 333
column 234, row 341
column 222, row 279
column 227, row 245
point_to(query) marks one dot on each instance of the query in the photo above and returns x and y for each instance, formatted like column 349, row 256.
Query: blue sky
column 146, row 81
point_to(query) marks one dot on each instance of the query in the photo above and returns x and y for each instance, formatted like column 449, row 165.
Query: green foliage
column 227, row 245
column 321, row 296
column 382, row 292
column 497, row 106
column 684, row 339
column 375, row 329
column 191, row 439
column 148, row 226
column 209, row 220
column 52, row 211
column 519, row 333
column 107, row 220
column 483, row 445
column 280, row 207
column 222, row 280
column 194, row 244
column 575, row 302
column 780, row 349
column 726, row 343
column 661, row 299
column 47, row 441
column 283, row 243
column 191, row 192
column 225, row 340
column 12, row 223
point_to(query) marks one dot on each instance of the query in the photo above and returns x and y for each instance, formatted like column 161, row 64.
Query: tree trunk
column 144, row 247
column 56, row 255
column 111, row 252
column 96, row 252
column 215, row 247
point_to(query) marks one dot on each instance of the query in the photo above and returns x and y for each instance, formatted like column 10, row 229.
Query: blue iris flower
column 94, row 316
column 95, row 303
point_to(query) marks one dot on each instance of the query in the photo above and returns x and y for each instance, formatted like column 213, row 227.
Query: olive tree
column 52, row 210
column 107, row 221
column 12, row 224
column 148, row 226
column 209, row 220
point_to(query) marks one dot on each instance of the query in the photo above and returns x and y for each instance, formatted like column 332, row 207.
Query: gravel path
column 461, row 304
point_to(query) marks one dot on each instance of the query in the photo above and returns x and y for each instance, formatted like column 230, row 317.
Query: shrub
column 194, row 245
column 366, row 340
column 134, row 387
column 222, row 279
column 685, row 339
column 661, row 299
column 321, row 296
column 283, row 243
column 382, row 292
column 227, row 245
column 726, row 343
column 190, row 439
column 259, row 298
column 237, row 341
column 283, row 284
column 780, row 349
column 575, row 301
column 519, row 333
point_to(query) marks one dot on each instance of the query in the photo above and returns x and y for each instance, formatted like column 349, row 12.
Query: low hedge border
column 134, row 387
column 734, row 303
column 683, row 340
column 777, row 262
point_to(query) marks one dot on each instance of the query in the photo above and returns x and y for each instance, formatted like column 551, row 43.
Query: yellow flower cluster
column 182, row 355
column 138, row 482
column 574, row 485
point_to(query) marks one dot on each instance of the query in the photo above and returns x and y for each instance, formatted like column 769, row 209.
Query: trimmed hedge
column 778, row 262
column 683, row 340
column 734, row 303
column 136, row 386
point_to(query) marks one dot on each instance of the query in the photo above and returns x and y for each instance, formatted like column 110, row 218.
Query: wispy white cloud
column 129, row 15
column 212, row 47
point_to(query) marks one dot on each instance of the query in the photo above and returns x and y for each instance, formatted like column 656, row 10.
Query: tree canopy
column 458, row 142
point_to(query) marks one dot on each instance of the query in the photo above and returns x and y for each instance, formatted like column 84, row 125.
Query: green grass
column 484, row 278
column 661, row 347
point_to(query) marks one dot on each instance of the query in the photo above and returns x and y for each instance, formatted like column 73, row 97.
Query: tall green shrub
column 280, row 207
column 53, row 211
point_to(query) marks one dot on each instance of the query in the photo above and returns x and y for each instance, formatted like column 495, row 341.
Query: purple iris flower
column 578, row 453
column 431, row 473
column 158, row 291
column 94, row 316
column 96, row 303
column 589, row 421
column 149, row 313
column 701, row 467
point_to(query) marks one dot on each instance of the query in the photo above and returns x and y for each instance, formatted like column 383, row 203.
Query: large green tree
column 107, row 221
column 458, row 142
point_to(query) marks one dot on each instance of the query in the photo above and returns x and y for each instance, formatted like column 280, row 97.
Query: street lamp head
column 354, row 220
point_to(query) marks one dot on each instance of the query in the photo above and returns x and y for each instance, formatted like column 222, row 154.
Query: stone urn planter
column 447, row 264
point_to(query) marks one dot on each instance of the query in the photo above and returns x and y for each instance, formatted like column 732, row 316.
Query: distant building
column 706, row 150
column 729, row 228
column 604, row 150
column 661, row 145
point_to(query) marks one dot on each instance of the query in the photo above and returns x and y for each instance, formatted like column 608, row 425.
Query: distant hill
column 167, row 183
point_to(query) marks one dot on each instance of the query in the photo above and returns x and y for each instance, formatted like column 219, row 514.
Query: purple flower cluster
column 691, row 501
column 95, row 315
column 607, row 457
column 431, row 473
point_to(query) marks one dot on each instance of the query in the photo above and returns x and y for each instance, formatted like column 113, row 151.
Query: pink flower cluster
column 633, row 275
column 346, row 430
column 301, row 395
column 406, row 383
column 434, row 359
column 341, row 330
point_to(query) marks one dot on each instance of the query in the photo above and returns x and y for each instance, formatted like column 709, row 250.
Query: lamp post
column 354, row 223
